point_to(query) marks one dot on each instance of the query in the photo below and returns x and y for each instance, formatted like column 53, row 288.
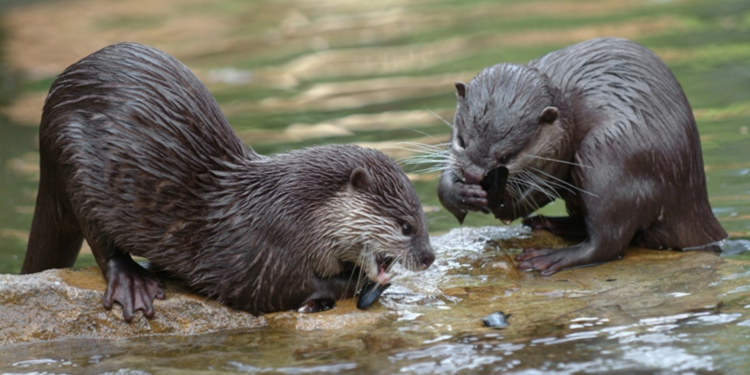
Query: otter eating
column 137, row 158
column 603, row 125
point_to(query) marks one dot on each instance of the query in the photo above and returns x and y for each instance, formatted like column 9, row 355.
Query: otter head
column 378, row 221
column 510, row 116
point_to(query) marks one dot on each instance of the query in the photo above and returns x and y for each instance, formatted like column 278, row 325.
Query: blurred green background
column 294, row 73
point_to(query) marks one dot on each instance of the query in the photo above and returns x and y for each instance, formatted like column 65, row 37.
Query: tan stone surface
column 68, row 304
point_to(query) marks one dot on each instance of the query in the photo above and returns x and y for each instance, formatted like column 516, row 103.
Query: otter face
column 508, row 117
column 380, row 222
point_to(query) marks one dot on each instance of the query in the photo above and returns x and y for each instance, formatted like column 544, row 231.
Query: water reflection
column 655, row 344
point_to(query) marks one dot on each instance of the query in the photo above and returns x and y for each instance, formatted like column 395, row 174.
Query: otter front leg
column 460, row 198
column 327, row 291
column 132, row 286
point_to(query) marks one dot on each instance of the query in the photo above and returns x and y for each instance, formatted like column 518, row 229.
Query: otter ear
column 549, row 115
column 460, row 89
column 359, row 179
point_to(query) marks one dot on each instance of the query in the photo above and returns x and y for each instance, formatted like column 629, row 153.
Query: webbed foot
column 132, row 286
column 550, row 261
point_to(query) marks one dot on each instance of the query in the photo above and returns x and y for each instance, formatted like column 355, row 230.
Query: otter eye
column 406, row 229
column 504, row 159
column 460, row 141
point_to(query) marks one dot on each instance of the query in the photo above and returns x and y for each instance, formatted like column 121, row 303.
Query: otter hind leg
column 55, row 238
column 130, row 285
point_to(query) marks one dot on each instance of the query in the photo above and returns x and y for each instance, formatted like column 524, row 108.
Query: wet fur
column 623, row 152
column 137, row 158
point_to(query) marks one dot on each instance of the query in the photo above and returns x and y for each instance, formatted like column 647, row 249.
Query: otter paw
column 472, row 197
column 133, row 287
column 317, row 305
column 548, row 261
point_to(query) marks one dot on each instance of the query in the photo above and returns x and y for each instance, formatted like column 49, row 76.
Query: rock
column 474, row 275
column 67, row 303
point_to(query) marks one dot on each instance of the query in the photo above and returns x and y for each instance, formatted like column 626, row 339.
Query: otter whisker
column 525, row 199
column 428, row 170
column 565, row 182
column 557, row 161
column 553, row 185
column 423, row 133
column 418, row 147
column 436, row 217
column 536, row 183
column 442, row 119
column 366, row 253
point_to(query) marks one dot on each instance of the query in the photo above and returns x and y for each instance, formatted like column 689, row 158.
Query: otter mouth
column 383, row 264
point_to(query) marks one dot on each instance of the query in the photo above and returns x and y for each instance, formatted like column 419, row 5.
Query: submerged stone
column 497, row 319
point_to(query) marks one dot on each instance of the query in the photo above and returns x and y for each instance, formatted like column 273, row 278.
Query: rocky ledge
column 67, row 303
column 474, row 275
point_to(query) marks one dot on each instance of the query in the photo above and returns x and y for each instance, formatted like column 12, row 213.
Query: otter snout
column 426, row 259
column 473, row 175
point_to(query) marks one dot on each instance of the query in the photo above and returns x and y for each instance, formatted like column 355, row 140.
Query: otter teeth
column 383, row 263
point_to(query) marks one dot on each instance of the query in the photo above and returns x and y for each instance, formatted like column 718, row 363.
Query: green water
column 707, row 45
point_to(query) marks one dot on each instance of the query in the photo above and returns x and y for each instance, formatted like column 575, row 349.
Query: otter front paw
column 317, row 305
column 132, row 286
column 459, row 198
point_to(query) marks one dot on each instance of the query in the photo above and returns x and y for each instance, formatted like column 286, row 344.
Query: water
column 298, row 73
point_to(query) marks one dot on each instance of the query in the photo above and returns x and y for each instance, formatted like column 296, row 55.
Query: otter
column 603, row 125
column 138, row 159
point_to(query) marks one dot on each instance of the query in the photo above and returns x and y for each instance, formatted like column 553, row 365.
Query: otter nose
column 427, row 259
column 473, row 175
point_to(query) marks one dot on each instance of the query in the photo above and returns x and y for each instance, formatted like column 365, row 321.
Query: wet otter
column 603, row 125
column 137, row 158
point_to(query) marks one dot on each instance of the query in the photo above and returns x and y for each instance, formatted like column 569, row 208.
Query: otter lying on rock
column 603, row 125
column 137, row 158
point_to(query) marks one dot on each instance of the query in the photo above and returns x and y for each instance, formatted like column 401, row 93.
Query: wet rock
column 474, row 274
column 345, row 316
column 67, row 303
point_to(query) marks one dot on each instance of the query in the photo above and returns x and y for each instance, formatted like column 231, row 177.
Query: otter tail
column 55, row 238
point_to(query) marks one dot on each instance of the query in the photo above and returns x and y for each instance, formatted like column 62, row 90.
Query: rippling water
column 295, row 73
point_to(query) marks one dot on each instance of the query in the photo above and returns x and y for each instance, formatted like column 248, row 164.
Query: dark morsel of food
column 494, row 185
column 370, row 293
column 496, row 320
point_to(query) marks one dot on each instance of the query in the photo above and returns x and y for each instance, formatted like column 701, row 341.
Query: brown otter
column 137, row 158
column 603, row 125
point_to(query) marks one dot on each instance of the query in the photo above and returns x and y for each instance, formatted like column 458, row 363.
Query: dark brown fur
column 137, row 158
column 603, row 125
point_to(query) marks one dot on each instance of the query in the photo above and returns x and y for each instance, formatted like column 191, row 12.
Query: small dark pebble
column 370, row 293
column 610, row 280
column 496, row 320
